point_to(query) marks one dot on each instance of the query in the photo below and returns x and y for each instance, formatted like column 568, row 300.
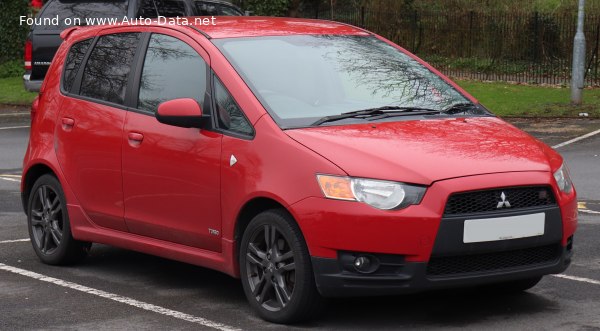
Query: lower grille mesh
column 456, row 265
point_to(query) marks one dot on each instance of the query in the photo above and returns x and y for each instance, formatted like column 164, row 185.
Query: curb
column 16, row 116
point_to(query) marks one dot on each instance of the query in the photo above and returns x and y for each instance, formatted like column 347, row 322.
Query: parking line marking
column 582, row 207
column 15, row 114
column 578, row 279
column 14, row 241
column 7, row 175
column 14, row 127
column 118, row 298
column 576, row 139
column 10, row 179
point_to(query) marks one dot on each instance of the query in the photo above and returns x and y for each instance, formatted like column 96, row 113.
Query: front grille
column 489, row 200
column 498, row 261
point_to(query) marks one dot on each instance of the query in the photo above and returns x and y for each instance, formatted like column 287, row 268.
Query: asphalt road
column 118, row 289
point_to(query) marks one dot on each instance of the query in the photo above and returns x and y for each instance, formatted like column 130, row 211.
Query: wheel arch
column 30, row 177
column 250, row 209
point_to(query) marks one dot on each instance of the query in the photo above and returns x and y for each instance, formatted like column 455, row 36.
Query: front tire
column 49, row 227
column 276, row 269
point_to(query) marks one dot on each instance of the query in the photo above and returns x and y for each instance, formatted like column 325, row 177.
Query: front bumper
column 419, row 249
column 335, row 280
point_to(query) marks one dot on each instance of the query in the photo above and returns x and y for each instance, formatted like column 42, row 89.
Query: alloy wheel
column 270, row 268
column 47, row 223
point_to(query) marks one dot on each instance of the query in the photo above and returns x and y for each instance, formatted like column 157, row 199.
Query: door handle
column 68, row 123
column 135, row 139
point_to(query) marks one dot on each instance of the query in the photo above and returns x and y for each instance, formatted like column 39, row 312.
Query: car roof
column 256, row 26
column 241, row 26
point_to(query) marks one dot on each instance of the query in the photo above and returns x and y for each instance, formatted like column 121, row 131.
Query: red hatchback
column 310, row 159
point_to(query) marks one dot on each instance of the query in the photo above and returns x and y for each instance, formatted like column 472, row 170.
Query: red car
column 309, row 158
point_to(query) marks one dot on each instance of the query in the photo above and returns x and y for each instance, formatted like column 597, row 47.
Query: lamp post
column 578, row 75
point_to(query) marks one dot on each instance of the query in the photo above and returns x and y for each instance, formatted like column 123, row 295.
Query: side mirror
column 185, row 113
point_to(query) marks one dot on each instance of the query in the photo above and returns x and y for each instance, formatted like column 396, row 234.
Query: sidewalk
column 554, row 131
column 14, row 114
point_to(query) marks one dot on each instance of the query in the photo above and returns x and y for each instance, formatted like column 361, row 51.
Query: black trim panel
column 449, row 240
column 335, row 281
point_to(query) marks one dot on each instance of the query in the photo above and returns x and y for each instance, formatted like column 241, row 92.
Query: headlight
column 563, row 179
column 380, row 194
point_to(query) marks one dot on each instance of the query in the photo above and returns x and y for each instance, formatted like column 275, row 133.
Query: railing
column 520, row 47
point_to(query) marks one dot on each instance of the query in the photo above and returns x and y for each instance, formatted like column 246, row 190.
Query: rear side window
column 172, row 70
column 74, row 59
column 167, row 8
column 107, row 69
column 86, row 11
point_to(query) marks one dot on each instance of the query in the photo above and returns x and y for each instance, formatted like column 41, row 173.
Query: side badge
column 232, row 160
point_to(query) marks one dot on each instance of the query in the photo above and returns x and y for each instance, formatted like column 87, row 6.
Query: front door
column 171, row 177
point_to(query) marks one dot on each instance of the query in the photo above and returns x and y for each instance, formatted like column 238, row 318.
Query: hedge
column 12, row 34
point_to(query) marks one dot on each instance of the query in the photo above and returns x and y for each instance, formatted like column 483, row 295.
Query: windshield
column 301, row 79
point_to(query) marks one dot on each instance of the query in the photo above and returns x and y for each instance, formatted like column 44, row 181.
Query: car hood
column 425, row 151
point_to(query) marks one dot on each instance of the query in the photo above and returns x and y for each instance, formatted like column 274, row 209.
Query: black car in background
column 44, row 39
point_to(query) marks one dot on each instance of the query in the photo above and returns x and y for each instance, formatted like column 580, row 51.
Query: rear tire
column 276, row 270
column 49, row 227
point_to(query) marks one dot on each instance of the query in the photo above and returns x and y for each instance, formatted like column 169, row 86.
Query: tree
column 267, row 7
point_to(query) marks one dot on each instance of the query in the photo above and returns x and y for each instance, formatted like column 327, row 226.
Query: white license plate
column 504, row 228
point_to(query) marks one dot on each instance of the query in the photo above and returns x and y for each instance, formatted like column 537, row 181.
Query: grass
column 531, row 101
column 12, row 92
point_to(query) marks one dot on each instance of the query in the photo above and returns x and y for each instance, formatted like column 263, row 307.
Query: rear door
column 60, row 15
column 90, row 125
column 171, row 175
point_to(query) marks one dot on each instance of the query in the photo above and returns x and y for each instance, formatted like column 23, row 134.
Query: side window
column 229, row 11
column 231, row 117
column 172, row 70
column 204, row 8
column 74, row 59
column 167, row 8
column 107, row 69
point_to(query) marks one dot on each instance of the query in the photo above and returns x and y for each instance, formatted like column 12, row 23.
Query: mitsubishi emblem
column 232, row 160
column 504, row 203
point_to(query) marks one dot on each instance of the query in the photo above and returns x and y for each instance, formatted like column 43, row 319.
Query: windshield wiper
column 458, row 108
column 380, row 112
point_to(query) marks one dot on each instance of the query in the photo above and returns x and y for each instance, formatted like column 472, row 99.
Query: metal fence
column 519, row 47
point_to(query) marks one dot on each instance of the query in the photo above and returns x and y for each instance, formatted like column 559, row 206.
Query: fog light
column 362, row 264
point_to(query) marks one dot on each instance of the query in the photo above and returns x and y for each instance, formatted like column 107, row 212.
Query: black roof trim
column 201, row 32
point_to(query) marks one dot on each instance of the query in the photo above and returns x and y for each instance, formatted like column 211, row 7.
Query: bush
column 11, row 68
column 267, row 7
column 13, row 35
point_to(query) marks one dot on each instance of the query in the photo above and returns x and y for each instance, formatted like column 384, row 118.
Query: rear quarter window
column 82, row 10
column 73, row 62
